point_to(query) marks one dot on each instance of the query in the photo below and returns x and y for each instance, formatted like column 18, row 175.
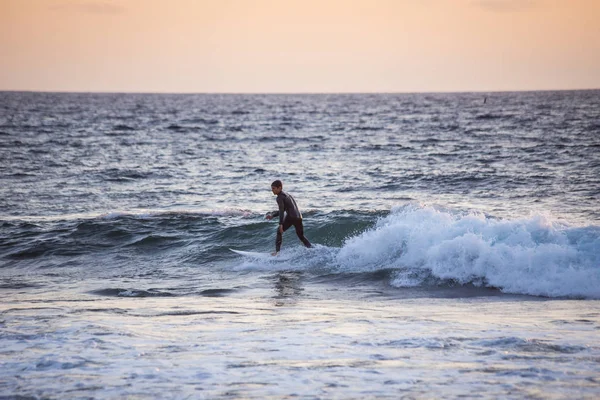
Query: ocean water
column 457, row 246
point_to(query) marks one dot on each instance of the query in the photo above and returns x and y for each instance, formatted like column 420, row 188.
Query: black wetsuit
column 289, row 214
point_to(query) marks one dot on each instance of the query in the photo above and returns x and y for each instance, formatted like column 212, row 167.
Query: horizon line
column 298, row 93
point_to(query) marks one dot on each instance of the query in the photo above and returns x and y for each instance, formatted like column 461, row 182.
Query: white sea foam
column 535, row 256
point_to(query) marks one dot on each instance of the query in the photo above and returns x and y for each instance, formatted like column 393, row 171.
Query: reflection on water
column 288, row 287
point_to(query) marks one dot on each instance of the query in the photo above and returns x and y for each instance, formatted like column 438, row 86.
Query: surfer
column 289, row 214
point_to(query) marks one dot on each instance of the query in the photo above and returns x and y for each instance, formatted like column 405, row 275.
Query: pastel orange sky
column 275, row 46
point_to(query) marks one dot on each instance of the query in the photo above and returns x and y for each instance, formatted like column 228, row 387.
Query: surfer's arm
column 280, row 212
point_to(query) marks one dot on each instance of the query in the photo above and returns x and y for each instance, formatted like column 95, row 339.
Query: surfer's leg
column 300, row 232
column 286, row 225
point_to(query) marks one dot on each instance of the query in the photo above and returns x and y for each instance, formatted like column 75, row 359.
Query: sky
column 299, row 46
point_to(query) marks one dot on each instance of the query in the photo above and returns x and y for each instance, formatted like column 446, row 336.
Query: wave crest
column 534, row 256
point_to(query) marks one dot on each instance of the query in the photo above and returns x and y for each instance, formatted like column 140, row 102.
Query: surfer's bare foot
column 274, row 253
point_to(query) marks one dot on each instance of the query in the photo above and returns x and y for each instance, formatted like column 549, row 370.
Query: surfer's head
column 276, row 186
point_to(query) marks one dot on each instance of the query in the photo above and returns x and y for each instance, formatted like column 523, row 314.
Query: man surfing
column 289, row 214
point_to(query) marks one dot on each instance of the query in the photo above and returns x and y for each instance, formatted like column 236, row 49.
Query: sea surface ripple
column 457, row 245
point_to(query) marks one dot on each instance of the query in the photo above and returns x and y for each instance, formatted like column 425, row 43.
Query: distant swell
column 123, row 128
column 131, row 293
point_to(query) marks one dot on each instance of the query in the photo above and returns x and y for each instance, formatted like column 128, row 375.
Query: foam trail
column 534, row 256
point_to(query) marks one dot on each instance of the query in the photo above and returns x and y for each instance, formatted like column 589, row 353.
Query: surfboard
column 254, row 254
column 263, row 256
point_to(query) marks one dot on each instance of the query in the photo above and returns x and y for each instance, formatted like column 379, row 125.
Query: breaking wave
column 534, row 256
